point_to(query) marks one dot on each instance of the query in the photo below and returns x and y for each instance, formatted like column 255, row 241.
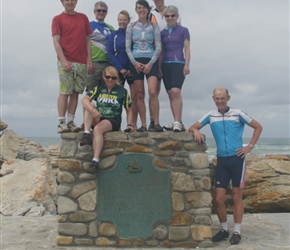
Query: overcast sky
column 240, row 44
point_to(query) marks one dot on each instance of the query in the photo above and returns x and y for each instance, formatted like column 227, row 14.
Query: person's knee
column 140, row 94
column 219, row 200
column 153, row 93
column 97, row 130
column 175, row 93
column 237, row 196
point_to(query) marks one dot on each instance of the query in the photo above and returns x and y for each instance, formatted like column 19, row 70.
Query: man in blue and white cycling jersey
column 227, row 125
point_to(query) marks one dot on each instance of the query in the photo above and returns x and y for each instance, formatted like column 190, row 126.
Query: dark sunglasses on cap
column 101, row 10
column 172, row 16
column 111, row 77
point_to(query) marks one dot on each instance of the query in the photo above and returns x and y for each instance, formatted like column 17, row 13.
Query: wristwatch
column 251, row 146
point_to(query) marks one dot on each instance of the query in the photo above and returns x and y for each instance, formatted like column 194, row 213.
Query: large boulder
column 9, row 146
column 267, row 186
column 29, row 150
column 28, row 188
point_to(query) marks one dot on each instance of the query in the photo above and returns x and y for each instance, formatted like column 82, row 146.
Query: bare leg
column 220, row 195
column 149, row 101
column 62, row 105
column 237, row 194
column 154, row 102
column 175, row 103
column 73, row 102
column 98, row 141
column 134, row 104
column 140, row 93
column 88, row 119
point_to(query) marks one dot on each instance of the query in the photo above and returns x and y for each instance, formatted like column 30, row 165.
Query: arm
column 90, row 107
column 255, row 137
column 186, row 69
column 111, row 52
column 89, row 54
column 129, row 43
column 157, row 41
column 195, row 130
column 160, row 59
column 59, row 51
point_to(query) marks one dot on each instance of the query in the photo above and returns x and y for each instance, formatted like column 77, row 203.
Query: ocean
column 276, row 146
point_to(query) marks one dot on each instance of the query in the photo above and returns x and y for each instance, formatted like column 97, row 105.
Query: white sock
column 224, row 226
column 70, row 117
column 96, row 159
column 61, row 120
column 237, row 228
column 86, row 132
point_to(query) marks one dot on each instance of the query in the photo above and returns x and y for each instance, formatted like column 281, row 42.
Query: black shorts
column 123, row 79
column 230, row 168
column 115, row 125
column 140, row 76
column 173, row 76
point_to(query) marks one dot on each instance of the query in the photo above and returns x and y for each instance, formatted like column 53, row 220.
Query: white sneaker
column 62, row 128
column 177, row 126
column 170, row 126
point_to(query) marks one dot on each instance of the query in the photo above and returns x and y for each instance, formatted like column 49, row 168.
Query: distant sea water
column 275, row 146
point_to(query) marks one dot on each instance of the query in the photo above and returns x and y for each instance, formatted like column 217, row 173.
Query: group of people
column 95, row 58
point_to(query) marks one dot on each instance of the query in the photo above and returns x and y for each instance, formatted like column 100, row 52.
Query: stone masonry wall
column 190, row 224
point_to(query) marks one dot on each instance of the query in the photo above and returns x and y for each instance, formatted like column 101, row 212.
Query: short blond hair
column 111, row 70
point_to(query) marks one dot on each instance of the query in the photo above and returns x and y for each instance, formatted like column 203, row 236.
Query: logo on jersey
column 107, row 98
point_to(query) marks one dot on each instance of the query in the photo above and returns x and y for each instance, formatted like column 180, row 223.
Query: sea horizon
column 265, row 146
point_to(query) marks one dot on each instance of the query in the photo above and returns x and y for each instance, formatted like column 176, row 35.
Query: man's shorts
column 173, row 76
column 230, row 168
column 140, row 76
column 96, row 78
column 75, row 80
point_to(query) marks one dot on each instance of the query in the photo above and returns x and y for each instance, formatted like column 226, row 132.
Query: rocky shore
column 29, row 173
column 29, row 195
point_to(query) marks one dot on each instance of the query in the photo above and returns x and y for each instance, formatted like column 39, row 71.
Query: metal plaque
column 134, row 195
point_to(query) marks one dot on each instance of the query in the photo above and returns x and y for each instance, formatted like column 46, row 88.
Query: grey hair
column 171, row 8
column 221, row 88
column 102, row 4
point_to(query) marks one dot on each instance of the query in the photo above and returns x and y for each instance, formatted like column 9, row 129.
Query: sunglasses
column 101, row 10
column 111, row 77
column 172, row 16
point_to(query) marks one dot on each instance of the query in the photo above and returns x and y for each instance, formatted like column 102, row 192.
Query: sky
column 240, row 44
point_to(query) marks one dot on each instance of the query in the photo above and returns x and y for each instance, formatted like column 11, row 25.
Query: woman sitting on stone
column 106, row 115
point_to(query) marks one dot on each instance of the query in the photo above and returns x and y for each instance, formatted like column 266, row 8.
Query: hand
column 186, row 70
column 96, row 114
column 160, row 73
column 198, row 137
column 146, row 69
column 89, row 66
column 242, row 152
column 66, row 66
column 124, row 72
column 139, row 67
